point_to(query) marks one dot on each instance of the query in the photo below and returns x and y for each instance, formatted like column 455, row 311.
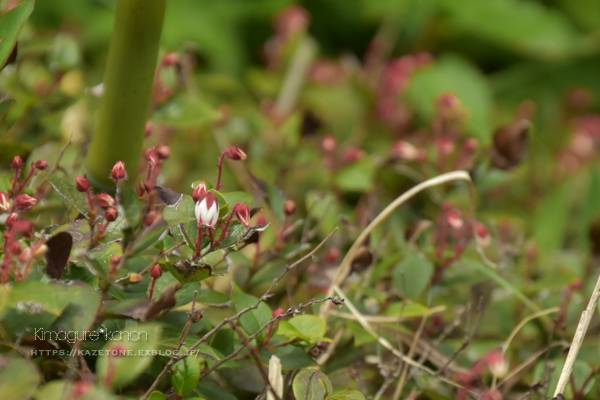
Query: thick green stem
column 128, row 84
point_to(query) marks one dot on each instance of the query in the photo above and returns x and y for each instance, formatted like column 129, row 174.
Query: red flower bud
column 12, row 219
column 576, row 285
column 156, row 272
column 200, row 192
column 497, row 363
column 118, row 172
column 444, row 146
column 332, row 255
column 278, row 312
column 41, row 164
column 170, row 59
column 163, row 152
column 82, row 389
column 115, row 259
column 118, row 350
column 105, row 200
column 82, row 184
column 4, row 202
column 25, row 255
column 24, row 202
column 242, row 213
column 454, row 220
column 14, row 248
column 289, row 208
column 352, row 154
column 152, row 156
column 235, row 153
column 17, row 162
column 329, row 143
column 23, row 228
column 150, row 217
column 483, row 235
column 111, row 214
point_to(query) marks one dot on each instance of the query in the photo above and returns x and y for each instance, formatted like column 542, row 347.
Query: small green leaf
column 131, row 206
column 185, row 295
column 346, row 395
column 309, row 328
column 357, row 177
column 156, row 395
column 68, row 191
column 186, row 376
column 233, row 198
column 10, row 26
column 126, row 368
column 311, row 384
column 18, row 377
column 5, row 105
column 253, row 320
column 412, row 275
column 186, row 272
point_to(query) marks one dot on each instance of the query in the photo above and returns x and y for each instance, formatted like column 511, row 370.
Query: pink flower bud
column 170, row 59
column 352, row 154
column 329, row 143
column 82, row 389
column 163, row 152
column 207, row 210
column 14, row 248
column 454, row 220
column 25, row 255
column 152, row 157
column 118, row 350
column 470, row 145
column 118, row 172
column 444, row 146
column 82, row 184
column 332, row 255
column 39, row 251
column 576, row 285
column 23, row 228
column 135, row 278
column 156, row 272
column 200, row 192
column 150, row 217
column 115, row 259
column 497, row 363
column 12, row 219
column 24, row 202
column 105, row 200
column 235, row 153
column 4, row 202
column 483, row 235
column 17, row 162
column 41, row 165
column 111, row 214
column 448, row 101
column 408, row 152
column 242, row 213
column 278, row 312
column 289, row 208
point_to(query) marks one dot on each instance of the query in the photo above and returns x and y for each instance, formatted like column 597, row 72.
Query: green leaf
column 311, row 384
column 126, row 368
column 452, row 74
column 292, row 357
column 131, row 206
column 18, row 377
column 309, row 328
column 156, row 395
column 223, row 203
column 149, row 238
column 357, row 177
column 528, row 28
column 186, row 272
column 552, row 217
column 185, row 295
column 210, row 390
column 181, row 218
column 185, row 111
column 253, row 320
column 412, row 275
column 5, row 105
column 68, row 191
column 10, row 26
column 346, row 395
column 239, row 197
column 361, row 335
column 186, row 376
